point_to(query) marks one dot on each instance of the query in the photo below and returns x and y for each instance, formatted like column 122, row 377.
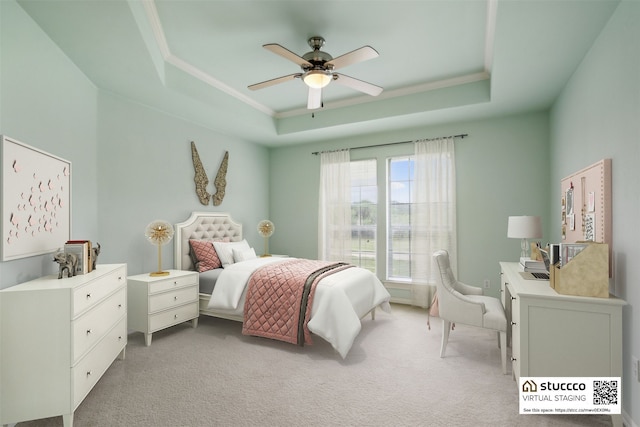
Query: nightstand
column 157, row 303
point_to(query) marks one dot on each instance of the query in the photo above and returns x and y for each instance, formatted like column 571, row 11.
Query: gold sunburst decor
column 266, row 229
column 159, row 233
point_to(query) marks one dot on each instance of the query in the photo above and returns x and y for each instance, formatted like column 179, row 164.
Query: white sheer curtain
column 433, row 216
column 334, row 217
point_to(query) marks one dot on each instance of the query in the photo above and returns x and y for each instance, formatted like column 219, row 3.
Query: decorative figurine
column 95, row 251
column 66, row 261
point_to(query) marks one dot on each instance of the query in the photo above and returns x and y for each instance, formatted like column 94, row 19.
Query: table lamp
column 524, row 227
column 159, row 233
column 266, row 229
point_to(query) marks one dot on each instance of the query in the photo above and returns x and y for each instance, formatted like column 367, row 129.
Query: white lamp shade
column 524, row 227
column 317, row 79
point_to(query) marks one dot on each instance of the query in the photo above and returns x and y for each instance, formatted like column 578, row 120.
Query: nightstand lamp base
column 159, row 273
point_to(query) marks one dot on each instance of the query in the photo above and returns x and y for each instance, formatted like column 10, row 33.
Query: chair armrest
column 460, row 308
column 465, row 289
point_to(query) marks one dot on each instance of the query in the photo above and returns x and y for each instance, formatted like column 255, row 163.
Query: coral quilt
column 339, row 301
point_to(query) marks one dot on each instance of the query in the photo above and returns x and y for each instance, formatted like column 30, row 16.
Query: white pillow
column 225, row 251
column 243, row 255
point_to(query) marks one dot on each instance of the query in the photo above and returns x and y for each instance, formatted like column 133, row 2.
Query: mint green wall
column 130, row 164
column 501, row 169
column 598, row 116
column 146, row 173
column 49, row 104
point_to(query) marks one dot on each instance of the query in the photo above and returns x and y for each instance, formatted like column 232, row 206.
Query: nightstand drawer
column 171, row 299
column 173, row 317
column 172, row 283
column 91, row 294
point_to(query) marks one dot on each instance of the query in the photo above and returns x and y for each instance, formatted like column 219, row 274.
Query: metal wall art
column 201, row 180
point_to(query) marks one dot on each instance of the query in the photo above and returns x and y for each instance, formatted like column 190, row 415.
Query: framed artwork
column 36, row 201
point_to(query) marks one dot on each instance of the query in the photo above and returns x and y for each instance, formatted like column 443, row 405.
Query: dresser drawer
column 172, row 317
column 173, row 283
column 88, row 295
column 89, row 370
column 92, row 326
column 166, row 300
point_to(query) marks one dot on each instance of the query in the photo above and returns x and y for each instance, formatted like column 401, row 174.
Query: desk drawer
column 89, row 370
column 172, row 317
column 166, row 300
column 515, row 327
column 91, row 327
column 89, row 295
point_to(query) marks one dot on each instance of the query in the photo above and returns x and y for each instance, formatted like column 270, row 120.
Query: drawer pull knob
column 120, row 338
column 88, row 374
column 175, row 298
column 89, row 331
column 119, row 277
column 119, row 305
column 513, row 298
column 513, row 359
column 513, row 323
column 175, row 316
column 88, row 296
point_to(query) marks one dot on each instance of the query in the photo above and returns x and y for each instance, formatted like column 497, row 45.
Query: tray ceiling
column 440, row 61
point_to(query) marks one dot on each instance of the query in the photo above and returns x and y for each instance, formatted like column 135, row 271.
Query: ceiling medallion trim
column 424, row 87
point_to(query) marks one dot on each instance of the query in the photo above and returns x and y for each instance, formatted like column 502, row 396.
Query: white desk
column 554, row 335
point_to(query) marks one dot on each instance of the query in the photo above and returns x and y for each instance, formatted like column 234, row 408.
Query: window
column 400, row 182
column 364, row 205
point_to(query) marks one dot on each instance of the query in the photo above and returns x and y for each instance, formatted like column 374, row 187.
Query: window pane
column 400, row 182
column 364, row 213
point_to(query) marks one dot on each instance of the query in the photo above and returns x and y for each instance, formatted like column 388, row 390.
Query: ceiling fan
column 318, row 70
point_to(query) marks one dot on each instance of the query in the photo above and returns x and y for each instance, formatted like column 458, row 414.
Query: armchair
column 464, row 304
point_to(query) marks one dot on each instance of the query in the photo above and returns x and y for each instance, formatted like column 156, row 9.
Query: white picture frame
column 36, row 201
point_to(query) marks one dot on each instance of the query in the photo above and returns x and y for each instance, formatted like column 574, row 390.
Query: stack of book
column 533, row 265
column 82, row 249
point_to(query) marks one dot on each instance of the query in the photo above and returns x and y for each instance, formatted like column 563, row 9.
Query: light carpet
column 393, row 376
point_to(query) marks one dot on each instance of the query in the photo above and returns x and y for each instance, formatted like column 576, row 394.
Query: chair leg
column 446, row 327
column 503, row 350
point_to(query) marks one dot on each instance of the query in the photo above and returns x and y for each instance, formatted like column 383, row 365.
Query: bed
column 341, row 299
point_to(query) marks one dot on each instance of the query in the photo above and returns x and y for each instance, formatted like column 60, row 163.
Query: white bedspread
column 341, row 299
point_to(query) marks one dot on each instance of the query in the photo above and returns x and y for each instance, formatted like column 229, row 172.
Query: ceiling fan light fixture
column 317, row 79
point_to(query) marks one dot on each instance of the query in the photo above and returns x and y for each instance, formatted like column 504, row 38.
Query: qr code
column 605, row 392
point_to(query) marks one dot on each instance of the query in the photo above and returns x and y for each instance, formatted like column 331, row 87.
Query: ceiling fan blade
column 287, row 54
column 275, row 81
column 315, row 99
column 362, row 86
column 353, row 57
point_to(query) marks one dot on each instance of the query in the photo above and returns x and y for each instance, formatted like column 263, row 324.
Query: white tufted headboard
column 202, row 226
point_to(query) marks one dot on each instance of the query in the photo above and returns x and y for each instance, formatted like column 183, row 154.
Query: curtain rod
column 461, row 136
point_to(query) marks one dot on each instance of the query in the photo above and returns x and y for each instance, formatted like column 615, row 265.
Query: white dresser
column 59, row 336
column 554, row 335
column 157, row 303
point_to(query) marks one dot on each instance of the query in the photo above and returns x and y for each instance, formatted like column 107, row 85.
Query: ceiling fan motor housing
column 317, row 57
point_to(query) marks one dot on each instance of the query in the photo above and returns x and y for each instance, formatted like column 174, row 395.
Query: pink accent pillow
column 205, row 256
